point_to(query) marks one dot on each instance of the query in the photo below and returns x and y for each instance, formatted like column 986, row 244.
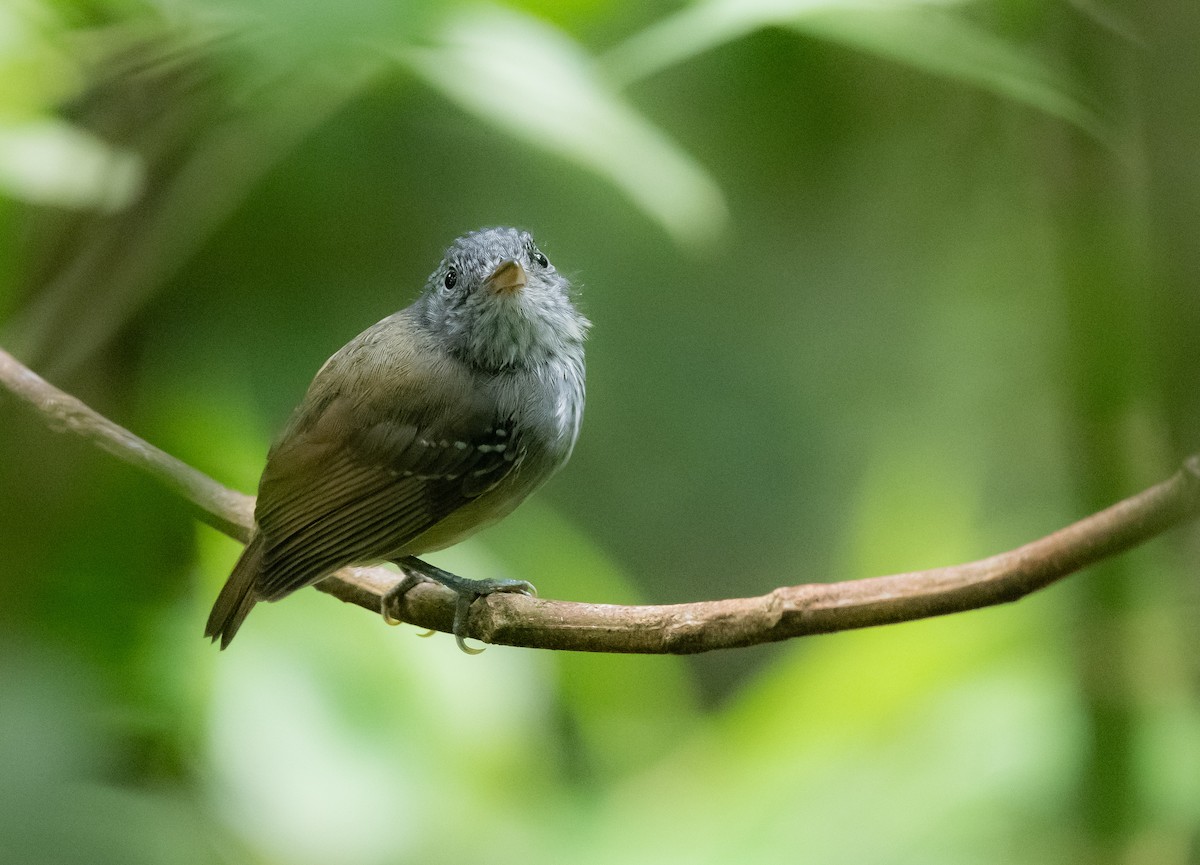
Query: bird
column 428, row 426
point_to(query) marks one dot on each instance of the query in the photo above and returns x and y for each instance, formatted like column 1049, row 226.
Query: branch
column 789, row 611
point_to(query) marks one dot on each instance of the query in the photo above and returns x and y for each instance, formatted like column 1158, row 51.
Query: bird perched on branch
column 426, row 427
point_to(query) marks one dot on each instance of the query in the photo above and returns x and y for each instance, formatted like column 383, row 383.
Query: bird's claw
column 462, row 612
column 416, row 571
column 470, row 590
column 389, row 598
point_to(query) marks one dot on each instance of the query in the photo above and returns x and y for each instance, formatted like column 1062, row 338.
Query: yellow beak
column 508, row 278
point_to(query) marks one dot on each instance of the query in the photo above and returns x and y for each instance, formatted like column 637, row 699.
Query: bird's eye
column 451, row 278
column 540, row 259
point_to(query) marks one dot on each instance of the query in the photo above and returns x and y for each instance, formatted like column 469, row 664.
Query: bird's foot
column 388, row 601
column 467, row 590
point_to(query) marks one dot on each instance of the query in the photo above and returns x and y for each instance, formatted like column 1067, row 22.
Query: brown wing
column 349, row 486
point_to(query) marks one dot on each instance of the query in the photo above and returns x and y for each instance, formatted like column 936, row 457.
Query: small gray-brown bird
column 426, row 427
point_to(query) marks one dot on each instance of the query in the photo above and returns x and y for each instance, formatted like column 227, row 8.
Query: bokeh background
column 876, row 286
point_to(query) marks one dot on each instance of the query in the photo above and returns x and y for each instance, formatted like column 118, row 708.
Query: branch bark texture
column 786, row 612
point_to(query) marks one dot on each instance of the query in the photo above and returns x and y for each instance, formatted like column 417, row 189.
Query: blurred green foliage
column 877, row 286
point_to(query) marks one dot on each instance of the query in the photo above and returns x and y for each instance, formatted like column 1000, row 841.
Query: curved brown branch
column 790, row 611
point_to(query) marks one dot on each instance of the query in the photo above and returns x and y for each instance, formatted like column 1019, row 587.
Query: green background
column 876, row 287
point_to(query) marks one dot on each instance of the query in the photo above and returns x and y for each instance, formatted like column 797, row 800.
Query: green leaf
column 36, row 68
column 52, row 162
column 45, row 160
column 933, row 35
column 946, row 43
column 532, row 81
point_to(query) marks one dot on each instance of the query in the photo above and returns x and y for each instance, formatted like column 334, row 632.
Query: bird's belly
column 462, row 523
column 488, row 508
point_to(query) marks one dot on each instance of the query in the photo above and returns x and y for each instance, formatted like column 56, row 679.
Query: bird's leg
column 415, row 571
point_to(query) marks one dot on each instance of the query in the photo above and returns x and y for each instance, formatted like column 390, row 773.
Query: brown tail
column 237, row 596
